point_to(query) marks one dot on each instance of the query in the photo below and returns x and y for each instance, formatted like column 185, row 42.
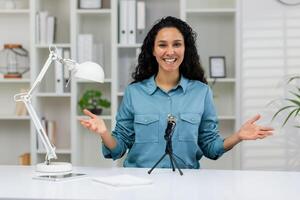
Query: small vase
column 96, row 111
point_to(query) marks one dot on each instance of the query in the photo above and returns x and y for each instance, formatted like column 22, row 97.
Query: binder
column 131, row 17
column 66, row 72
column 58, row 67
column 141, row 15
column 123, row 21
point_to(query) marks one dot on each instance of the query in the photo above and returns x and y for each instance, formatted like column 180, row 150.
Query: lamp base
column 54, row 167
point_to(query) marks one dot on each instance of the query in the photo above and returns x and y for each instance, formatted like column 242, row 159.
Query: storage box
column 90, row 4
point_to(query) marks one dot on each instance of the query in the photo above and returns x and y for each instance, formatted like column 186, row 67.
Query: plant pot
column 96, row 111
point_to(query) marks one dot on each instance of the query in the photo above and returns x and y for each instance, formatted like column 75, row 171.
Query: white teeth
column 170, row 60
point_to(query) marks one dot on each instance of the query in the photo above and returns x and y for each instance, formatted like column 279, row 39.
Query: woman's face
column 169, row 49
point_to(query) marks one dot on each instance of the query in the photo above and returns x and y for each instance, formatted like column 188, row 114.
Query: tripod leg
column 172, row 164
column 175, row 163
column 149, row 172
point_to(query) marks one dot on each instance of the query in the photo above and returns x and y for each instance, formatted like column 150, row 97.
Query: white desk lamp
column 88, row 71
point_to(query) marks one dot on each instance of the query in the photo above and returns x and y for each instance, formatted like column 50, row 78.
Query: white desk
column 16, row 183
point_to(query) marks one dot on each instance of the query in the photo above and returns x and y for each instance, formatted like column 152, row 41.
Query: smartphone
column 60, row 177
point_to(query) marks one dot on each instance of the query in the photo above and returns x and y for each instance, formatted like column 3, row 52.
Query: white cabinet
column 214, row 21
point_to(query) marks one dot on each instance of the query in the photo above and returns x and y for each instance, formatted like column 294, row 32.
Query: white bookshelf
column 213, row 20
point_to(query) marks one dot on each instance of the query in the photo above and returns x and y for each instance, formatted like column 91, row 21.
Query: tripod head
column 170, row 127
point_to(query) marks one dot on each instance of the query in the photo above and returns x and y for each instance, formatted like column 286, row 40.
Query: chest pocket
column 189, row 125
column 146, row 128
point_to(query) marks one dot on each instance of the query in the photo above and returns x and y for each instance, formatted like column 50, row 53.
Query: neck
column 168, row 80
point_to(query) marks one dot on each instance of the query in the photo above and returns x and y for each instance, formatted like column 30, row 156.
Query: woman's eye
column 161, row 45
column 177, row 44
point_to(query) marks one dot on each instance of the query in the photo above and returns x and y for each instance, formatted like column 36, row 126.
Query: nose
column 170, row 50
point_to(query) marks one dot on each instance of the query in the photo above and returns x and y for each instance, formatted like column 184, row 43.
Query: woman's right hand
column 94, row 123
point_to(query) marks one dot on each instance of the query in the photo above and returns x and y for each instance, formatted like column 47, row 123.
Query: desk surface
column 16, row 183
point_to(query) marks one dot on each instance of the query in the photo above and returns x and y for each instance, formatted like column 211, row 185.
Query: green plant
column 293, row 105
column 93, row 101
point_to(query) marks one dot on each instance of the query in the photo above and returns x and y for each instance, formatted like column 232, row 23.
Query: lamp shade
column 89, row 71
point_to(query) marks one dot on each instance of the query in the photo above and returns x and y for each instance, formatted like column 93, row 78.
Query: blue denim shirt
column 142, row 120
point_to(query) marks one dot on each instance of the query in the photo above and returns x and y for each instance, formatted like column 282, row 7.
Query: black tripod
column 169, row 150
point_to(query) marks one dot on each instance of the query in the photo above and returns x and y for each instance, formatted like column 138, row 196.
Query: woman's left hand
column 251, row 131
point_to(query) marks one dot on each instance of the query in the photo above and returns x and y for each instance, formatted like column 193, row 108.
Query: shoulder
column 137, row 86
column 198, row 85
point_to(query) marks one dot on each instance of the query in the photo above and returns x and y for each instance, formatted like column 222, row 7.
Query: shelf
column 120, row 94
column 53, row 95
column 14, row 11
column 107, row 80
column 23, row 80
column 211, row 11
column 7, row 117
column 58, row 45
column 93, row 11
column 57, row 151
column 104, row 117
column 221, row 80
column 138, row 45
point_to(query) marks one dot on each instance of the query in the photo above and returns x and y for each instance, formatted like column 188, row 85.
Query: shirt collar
column 151, row 84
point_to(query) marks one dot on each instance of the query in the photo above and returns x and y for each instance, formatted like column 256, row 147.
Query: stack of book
column 50, row 128
column 45, row 28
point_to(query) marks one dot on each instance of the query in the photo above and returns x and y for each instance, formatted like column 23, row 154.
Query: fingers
column 266, row 128
column 253, row 119
column 88, row 113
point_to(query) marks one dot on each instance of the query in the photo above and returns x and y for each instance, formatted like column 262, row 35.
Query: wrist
column 238, row 136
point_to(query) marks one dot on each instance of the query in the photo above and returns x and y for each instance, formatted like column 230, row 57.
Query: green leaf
column 293, row 78
column 294, row 101
column 280, row 110
column 288, row 117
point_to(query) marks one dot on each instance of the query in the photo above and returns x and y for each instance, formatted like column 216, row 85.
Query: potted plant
column 293, row 106
column 93, row 101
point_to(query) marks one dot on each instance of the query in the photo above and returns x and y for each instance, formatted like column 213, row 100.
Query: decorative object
column 93, row 101
column 217, row 67
column 90, row 4
column 293, row 105
column 14, row 60
column 86, row 70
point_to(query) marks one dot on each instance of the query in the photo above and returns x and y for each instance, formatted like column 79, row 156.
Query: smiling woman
column 168, row 81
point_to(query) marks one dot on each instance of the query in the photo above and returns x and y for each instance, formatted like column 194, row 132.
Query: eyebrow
column 179, row 40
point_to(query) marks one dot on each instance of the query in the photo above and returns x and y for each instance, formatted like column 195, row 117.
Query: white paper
column 123, row 180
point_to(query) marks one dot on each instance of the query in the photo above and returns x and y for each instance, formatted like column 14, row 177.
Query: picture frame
column 217, row 67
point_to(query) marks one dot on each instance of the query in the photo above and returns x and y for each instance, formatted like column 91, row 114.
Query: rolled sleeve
column 209, row 140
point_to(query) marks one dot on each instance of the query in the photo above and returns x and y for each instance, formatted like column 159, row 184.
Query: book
column 24, row 159
column 123, row 180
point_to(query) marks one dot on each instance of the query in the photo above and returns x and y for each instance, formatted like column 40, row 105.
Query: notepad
column 123, row 180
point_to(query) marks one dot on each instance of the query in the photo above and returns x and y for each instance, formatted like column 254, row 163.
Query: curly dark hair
column 190, row 67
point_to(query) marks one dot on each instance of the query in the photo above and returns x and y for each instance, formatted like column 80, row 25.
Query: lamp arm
column 52, row 56
column 26, row 99
column 50, row 148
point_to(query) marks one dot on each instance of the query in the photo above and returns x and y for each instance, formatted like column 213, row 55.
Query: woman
column 168, row 80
